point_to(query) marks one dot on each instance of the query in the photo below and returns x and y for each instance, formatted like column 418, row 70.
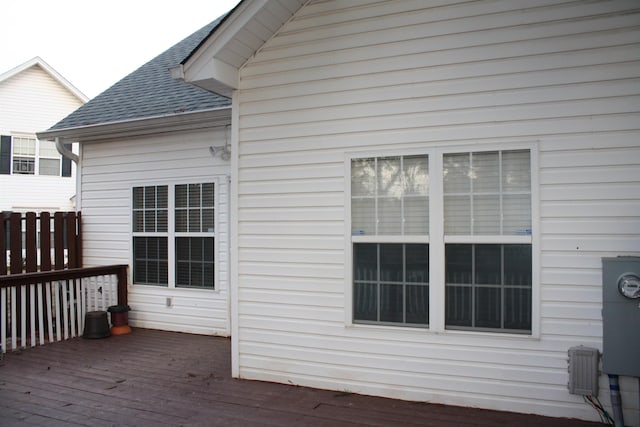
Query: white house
column 421, row 193
column 33, row 174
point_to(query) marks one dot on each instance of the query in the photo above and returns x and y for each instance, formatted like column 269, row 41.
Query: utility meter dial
column 629, row 285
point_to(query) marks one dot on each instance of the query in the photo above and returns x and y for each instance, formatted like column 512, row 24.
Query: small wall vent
column 583, row 371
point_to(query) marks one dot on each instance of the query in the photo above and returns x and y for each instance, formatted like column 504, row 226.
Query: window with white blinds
column 484, row 239
column 174, row 235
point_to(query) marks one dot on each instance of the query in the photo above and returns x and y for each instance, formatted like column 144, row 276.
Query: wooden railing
column 48, row 306
column 44, row 291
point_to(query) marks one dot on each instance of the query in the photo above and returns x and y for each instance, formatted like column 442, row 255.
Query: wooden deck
column 160, row 378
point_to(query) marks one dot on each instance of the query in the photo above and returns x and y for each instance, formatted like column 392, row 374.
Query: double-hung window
column 174, row 235
column 479, row 206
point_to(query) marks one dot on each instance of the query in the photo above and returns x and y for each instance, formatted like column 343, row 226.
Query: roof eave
column 205, row 68
column 188, row 121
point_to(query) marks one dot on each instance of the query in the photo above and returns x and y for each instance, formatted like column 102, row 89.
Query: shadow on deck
column 160, row 378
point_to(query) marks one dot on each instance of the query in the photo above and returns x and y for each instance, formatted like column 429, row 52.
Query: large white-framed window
column 455, row 224
column 174, row 235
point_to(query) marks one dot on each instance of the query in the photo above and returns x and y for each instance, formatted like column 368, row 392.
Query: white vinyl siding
column 382, row 78
column 110, row 171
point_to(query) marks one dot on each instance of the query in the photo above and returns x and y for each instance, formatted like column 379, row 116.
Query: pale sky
column 95, row 43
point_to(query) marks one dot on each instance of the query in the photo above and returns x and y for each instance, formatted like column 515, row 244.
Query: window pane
column 516, row 170
column 391, row 263
column 48, row 149
column 458, row 264
column 365, row 301
column 138, row 221
column 486, row 215
column 150, row 197
column 138, row 197
column 391, row 307
column 181, row 196
column 363, row 177
column 456, row 173
column 207, row 195
column 417, row 263
column 208, row 224
column 457, row 215
column 149, row 221
column 365, row 262
column 194, row 220
column 416, row 175
column 389, row 216
column 517, row 309
column 485, row 174
column 389, row 177
column 363, row 219
column 181, row 220
column 162, row 196
column 416, row 215
column 488, row 262
column 417, row 304
column 488, row 307
column 458, row 306
column 194, row 195
column 517, row 214
column 49, row 167
column 517, row 265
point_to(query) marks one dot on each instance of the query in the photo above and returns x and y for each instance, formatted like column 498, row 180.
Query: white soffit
column 215, row 64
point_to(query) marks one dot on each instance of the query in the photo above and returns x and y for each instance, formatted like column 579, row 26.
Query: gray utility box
column 621, row 316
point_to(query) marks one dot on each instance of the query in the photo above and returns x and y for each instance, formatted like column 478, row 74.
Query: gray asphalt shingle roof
column 149, row 91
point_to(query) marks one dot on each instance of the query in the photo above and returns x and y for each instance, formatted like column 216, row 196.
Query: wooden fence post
column 122, row 286
column 3, row 244
column 58, row 240
column 15, row 243
column 45, row 241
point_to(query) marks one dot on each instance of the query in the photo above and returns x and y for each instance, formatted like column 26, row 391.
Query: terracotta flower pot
column 119, row 319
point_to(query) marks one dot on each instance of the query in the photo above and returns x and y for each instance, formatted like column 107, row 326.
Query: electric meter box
column 621, row 316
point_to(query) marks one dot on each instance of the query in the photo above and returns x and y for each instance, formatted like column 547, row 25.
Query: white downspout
column 76, row 159
column 66, row 153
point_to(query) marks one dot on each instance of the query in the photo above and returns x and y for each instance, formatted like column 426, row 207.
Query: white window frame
column 437, row 240
column 171, row 234
column 36, row 157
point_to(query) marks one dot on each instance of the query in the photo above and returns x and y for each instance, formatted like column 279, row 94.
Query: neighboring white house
column 33, row 174
column 421, row 194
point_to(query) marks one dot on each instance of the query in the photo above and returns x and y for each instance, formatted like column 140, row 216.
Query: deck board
column 158, row 378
